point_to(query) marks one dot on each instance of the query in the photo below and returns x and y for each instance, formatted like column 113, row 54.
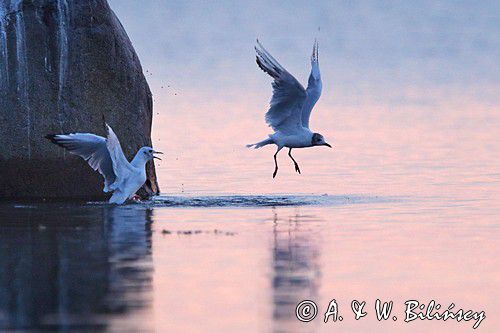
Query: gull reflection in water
column 68, row 267
column 296, row 271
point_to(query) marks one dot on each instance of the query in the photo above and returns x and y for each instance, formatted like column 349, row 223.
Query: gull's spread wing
column 314, row 87
column 285, row 112
column 121, row 165
column 92, row 148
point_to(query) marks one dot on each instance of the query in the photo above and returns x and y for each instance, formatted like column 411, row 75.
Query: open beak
column 327, row 144
column 157, row 152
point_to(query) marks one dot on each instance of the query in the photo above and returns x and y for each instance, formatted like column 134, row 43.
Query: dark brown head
column 319, row 140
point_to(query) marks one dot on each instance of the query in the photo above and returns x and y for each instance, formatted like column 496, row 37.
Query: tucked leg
column 294, row 161
column 276, row 162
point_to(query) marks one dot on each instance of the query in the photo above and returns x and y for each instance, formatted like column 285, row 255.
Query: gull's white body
column 105, row 155
column 136, row 177
column 291, row 105
column 300, row 139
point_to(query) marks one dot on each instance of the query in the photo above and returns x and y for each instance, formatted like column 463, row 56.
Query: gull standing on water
column 105, row 155
column 290, row 106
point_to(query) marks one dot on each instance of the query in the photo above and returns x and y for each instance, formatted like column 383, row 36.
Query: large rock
column 63, row 65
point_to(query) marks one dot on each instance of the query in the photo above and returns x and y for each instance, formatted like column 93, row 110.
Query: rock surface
column 63, row 65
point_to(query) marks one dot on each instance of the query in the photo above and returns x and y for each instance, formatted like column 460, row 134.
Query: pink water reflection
column 251, row 281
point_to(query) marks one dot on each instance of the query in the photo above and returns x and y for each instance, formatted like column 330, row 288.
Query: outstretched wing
column 92, row 148
column 121, row 165
column 314, row 87
column 285, row 112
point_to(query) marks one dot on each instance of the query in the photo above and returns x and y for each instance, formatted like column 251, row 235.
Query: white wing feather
column 285, row 112
column 314, row 87
column 92, row 148
column 121, row 166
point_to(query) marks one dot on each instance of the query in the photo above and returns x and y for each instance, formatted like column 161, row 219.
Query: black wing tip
column 51, row 138
column 261, row 66
column 55, row 140
column 274, row 73
column 105, row 124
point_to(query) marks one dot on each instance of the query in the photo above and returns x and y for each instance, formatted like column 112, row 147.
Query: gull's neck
column 139, row 161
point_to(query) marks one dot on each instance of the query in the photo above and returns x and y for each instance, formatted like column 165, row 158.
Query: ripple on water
column 263, row 200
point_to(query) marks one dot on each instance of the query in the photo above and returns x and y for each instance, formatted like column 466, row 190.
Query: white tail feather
column 261, row 143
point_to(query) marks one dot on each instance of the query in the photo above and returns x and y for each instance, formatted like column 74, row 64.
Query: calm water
column 242, row 263
column 406, row 205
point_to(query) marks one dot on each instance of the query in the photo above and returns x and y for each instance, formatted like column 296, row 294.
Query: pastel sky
column 366, row 46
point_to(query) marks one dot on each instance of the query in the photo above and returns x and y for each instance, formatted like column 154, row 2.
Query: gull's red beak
column 157, row 152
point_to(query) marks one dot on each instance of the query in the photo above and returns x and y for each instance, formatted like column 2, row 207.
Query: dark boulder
column 63, row 65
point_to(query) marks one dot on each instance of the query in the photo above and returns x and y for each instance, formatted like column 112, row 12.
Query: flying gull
column 290, row 106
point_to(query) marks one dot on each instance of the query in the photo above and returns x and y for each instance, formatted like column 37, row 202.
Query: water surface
column 242, row 263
